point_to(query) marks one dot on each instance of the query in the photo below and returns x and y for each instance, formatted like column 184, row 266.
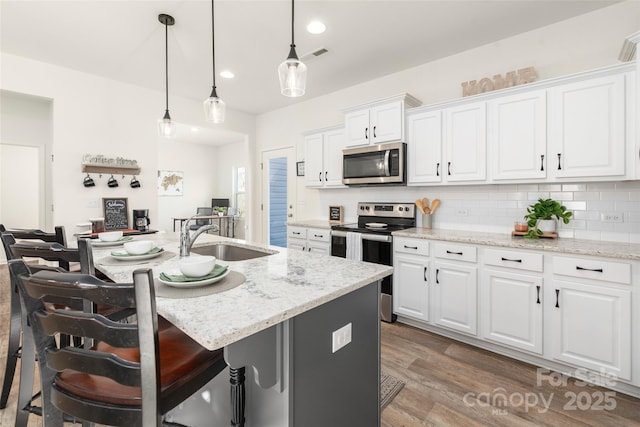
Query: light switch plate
column 341, row 337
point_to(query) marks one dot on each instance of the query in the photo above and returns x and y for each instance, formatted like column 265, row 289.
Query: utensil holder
column 426, row 220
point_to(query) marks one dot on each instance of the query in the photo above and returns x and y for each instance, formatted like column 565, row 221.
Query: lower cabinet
column 317, row 240
column 576, row 311
column 455, row 297
column 511, row 309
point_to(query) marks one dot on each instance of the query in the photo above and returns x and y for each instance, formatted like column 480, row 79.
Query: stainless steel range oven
column 373, row 241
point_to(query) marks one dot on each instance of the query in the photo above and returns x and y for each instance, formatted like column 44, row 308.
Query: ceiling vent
column 312, row 55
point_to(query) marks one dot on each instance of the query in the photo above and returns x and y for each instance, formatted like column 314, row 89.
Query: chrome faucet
column 187, row 240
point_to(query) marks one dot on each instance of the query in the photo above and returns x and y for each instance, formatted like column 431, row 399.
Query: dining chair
column 204, row 211
column 64, row 256
column 133, row 374
column 13, row 340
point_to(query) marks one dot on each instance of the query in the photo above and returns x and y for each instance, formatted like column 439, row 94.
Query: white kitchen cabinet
column 455, row 287
column 590, row 314
column 465, row 142
column 323, row 158
column 377, row 122
column 411, row 278
column 587, row 132
column 517, row 136
column 424, row 147
column 316, row 240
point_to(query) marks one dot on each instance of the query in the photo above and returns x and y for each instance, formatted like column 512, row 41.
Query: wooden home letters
column 511, row 78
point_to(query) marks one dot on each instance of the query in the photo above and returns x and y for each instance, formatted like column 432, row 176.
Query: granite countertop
column 315, row 223
column 628, row 251
column 277, row 287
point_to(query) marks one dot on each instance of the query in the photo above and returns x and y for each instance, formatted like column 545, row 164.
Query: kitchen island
column 280, row 324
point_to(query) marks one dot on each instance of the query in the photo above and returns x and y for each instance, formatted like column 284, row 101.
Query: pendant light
column 292, row 72
column 166, row 126
column 214, row 108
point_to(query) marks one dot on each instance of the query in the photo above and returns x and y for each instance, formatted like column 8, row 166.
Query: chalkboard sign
column 116, row 213
column 335, row 213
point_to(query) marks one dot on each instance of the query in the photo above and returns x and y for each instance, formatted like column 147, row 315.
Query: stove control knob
column 367, row 207
column 400, row 208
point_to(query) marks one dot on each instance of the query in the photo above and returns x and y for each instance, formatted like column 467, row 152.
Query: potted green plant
column 540, row 217
column 221, row 210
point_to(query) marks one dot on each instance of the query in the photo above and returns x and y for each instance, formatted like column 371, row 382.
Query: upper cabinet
column 323, row 158
column 518, row 136
column 576, row 128
column 377, row 122
column 587, row 128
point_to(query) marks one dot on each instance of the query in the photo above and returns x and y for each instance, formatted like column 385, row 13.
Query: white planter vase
column 548, row 225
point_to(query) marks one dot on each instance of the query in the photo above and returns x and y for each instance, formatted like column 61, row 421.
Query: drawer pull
column 557, row 298
column 538, row 294
column 295, row 232
column 318, row 235
column 425, row 274
column 512, row 260
column 410, row 247
column 597, row 270
column 437, row 272
column 454, row 253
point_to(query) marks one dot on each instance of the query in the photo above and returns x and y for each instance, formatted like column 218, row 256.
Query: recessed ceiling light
column 316, row 27
column 227, row 74
column 194, row 129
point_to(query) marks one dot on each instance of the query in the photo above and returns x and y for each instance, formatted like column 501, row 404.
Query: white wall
column 559, row 49
column 95, row 115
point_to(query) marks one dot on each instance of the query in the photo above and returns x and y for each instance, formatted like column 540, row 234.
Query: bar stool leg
column 237, row 396
column 13, row 347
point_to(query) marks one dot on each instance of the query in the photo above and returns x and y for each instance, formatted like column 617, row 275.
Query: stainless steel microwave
column 375, row 164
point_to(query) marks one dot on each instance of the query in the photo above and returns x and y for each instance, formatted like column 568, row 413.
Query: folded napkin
column 218, row 270
column 125, row 253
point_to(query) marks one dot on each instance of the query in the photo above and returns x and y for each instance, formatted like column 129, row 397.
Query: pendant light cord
column 292, row 15
column 166, row 65
column 213, row 45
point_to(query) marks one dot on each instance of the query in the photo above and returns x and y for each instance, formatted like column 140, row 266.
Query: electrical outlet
column 611, row 217
column 462, row 212
column 341, row 337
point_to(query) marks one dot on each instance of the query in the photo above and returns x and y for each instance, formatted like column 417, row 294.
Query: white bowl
column 110, row 236
column 197, row 266
column 138, row 247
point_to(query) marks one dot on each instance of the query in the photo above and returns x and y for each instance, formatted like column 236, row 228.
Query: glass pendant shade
column 214, row 108
column 293, row 76
column 166, row 126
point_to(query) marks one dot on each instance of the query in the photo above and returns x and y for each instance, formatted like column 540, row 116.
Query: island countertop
column 277, row 287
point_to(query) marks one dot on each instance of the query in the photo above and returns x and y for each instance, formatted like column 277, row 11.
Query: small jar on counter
column 521, row 226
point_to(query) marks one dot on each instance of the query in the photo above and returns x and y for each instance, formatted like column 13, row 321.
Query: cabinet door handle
column 557, row 298
column 374, row 132
column 320, row 176
column 366, row 133
column 512, row 260
column 559, row 166
column 537, row 294
column 410, row 247
column 597, row 270
column 541, row 162
column 437, row 273
column 438, row 169
column 295, row 232
column 318, row 235
column 425, row 274
column 454, row 253
column 448, row 168
column 325, row 176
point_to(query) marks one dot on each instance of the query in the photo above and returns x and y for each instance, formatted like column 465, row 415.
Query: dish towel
column 354, row 246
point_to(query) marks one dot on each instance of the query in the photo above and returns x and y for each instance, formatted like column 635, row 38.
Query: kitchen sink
column 229, row 252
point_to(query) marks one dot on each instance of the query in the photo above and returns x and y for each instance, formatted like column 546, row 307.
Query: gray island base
column 293, row 377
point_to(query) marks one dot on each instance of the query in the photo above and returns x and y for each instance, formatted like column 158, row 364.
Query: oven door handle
column 387, row 168
column 365, row 236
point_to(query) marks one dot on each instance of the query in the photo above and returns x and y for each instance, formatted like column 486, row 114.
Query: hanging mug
column 88, row 181
column 134, row 183
column 112, row 182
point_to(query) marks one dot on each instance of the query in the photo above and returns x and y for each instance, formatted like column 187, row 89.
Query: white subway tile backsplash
column 586, row 195
column 575, row 205
column 574, row 187
column 614, row 237
column 601, row 186
column 587, row 235
column 550, row 187
column 527, row 187
column 614, row 195
column 535, row 195
column 560, row 196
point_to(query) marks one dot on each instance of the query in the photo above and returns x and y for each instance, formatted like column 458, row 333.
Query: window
column 239, row 190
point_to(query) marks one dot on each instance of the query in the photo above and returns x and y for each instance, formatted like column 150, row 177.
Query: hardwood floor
column 445, row 381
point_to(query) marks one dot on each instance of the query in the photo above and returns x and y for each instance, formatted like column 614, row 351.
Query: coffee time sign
column 511, row 78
